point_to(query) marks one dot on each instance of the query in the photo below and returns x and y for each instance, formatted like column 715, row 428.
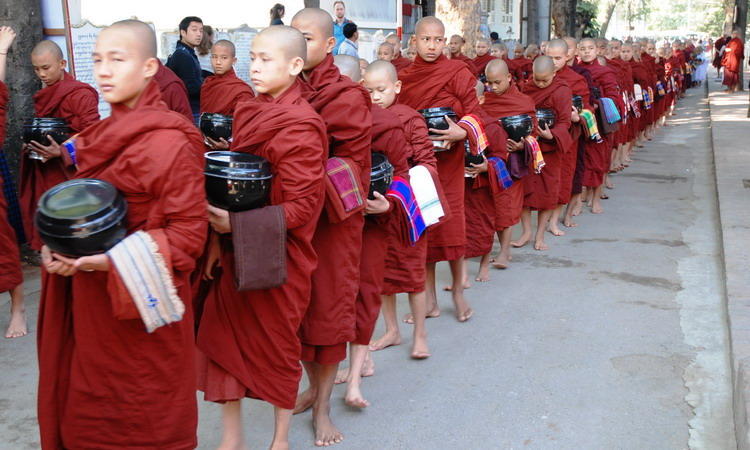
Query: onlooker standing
column 277, row 12
column 339, row 11
column 204, row 51
column 351, row 36
column 184, row 62
column 494, row 38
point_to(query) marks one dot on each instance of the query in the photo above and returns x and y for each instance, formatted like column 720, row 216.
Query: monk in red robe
column 385, row 52
column 455, row 44
column 524, row 64
column 42, row 164
column 731, row 61
column 435, row 81
column 249, row 338
column 11, row 277
column 404, row 264
column 482, row 50
column 110, row 376
column 557, row 49
column 598, row 154
column 398, row 61
column 173, row 91
column 331, row 317
column 223, row 90
column 542, row 189
column 504, row 100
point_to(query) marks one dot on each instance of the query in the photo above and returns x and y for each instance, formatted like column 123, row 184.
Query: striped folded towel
column 589, row 125
column 638, row 92
column 345, row 183
column 501, row 172
column 477, row 131
column 610, row 110
column 537, row 160
column 426, row 195
column 145, row 275
column 660, row 89
column 401, row 190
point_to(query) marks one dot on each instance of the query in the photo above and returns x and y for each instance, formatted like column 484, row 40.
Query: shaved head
column 544, row 64
column 458, row 37
column 587, row 40
column 50, row 47
column 396, row 43
column 483, row 40
column 383, row 67
column 143, row 35
column 558, row 44
column 496, row 68
column 498, row 76
column 229, row 45
column 289, row 39
column 349, row 66
column 429, row 21
column 318, row 18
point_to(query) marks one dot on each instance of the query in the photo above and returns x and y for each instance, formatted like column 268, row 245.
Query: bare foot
column 233, row 446
column 354, row 398
column 465, row 315
column 326, row 433
column 597, row 209
column 540, row 246
column 522, row 241
column 484, row 274
column 368, row 368
column 609, row 184
column 304, row 401
column 577, row 209
column 387, row 340
column 449, row 288
column 17, row 325
column 501, row 262
column 432, row 314
column 419, row 349
column 569, row 223
column 554, row 230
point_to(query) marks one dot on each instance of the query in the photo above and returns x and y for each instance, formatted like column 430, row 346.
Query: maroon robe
column 78, row 104
column 330, row 320
column 221, row 93
column 731, row 60
column 400, row 62
column 10, row 258
column 542, row 190
column 405, row 264
column 480, row 62
column 469, row 62
column 448, row 83
column 387, row 138
column 578, row 86
column 249, row 338
column 104, row 382
column 173, row 91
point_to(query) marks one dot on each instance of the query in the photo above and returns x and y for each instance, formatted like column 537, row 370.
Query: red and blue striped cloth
column 401, row 190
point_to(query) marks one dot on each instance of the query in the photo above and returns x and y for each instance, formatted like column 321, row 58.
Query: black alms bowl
column 237, row 181
column 545, row 117
column 578, row 102
column 38, row 128
column 381, row 175
column 518, row 127
column 435, row 117
column 81, row 217
column 216, row 126
column 470, row 159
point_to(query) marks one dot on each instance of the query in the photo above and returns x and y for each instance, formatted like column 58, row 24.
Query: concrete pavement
column 616, row 338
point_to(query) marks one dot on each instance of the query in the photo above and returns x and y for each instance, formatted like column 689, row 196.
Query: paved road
column 613, row 339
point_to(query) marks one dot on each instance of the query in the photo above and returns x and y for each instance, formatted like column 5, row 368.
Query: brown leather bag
column 259, row 239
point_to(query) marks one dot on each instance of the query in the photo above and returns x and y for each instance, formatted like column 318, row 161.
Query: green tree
column 586, row 12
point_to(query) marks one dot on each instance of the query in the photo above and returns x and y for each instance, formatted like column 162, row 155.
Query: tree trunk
column 560, row 18
column 24, row 16
column 570, row 30
column 460, row 17
column 728, row 16
column 607, row 17
column 532, row 21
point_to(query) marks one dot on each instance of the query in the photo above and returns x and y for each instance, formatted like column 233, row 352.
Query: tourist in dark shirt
column 277, row 12
column 184, row 62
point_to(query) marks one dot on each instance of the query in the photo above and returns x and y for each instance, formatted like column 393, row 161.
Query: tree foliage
column 586, row 12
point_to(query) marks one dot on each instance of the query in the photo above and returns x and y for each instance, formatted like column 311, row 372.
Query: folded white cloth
column 146, row 277
column 426, row 194
column 638, row 91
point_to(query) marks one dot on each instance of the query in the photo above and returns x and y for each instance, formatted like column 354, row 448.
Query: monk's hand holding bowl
column 574, row 117
column 476, row 169
column 91, row 263
column 57, row 264
column 454, row 133
column 378, row 206
column 513, row 146
column 545, row 133
column 212, row 260
column 221, row 144
column 53, row 150
column 219, row 220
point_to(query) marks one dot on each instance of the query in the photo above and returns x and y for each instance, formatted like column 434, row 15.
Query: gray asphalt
column 615, row 338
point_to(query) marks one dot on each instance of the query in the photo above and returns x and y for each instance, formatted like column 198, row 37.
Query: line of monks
column 105, row 382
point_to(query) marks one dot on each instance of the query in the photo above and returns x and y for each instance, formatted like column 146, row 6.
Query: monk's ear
column 150, row 67
column 234, row 60
column 481, row 99
column 397, row 87
column 63, row 64
column 295, row 66
column 330, row 43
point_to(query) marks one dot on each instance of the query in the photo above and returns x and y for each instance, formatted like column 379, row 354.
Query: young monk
column 330, row 320
column 223, row 91
column 398, row 61
column 64, row 97
column 557, row 50
column 249, row 338
column 434, row 81
column 542, row 189
column 11, row 276
column 524, row 62
column 363, row 63
column 504, row 99
column 482, row 49
column 103, row 367
column 405, row 264
column 455, row 45
column 499, row 51
column 386, row 52
column 173, row 91
column 380, row 223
